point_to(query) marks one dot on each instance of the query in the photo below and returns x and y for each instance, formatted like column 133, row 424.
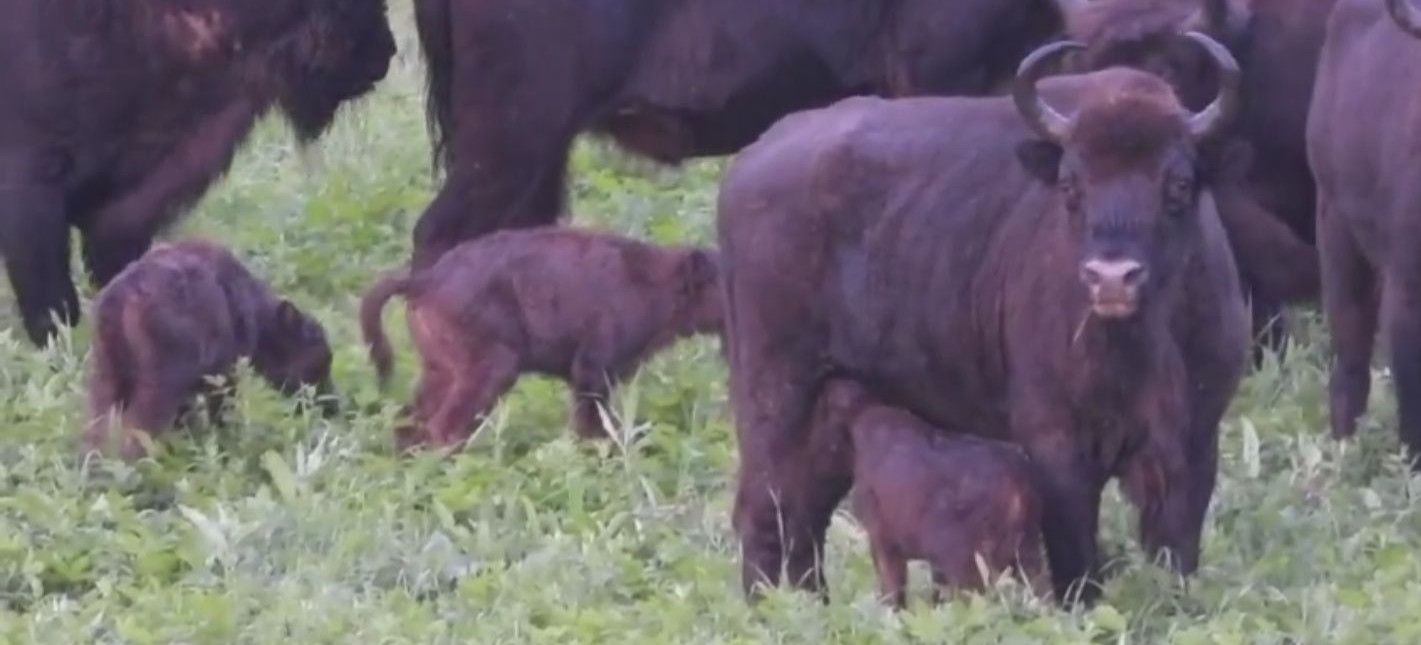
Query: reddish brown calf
column 579, row 305
column 925, row 495
column 185, row 311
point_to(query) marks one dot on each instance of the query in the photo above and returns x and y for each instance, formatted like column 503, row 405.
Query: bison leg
column 472, row 393
column 506, row 184
column 34, row 240
column 1349, row 298
column 892, row 570
column 786, row 493
column 1070, row 492
column 1401, row 318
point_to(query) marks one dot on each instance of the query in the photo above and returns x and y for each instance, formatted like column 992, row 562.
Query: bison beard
column 1368, row 206
column 914, row 246
column 114, row 117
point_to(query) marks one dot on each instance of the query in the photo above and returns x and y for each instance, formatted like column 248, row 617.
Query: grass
column 292, row 529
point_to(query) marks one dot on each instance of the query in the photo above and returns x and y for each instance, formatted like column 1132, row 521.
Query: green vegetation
column 291, row 529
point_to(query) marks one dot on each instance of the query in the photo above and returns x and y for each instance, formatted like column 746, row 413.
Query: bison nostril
column 1113, row 273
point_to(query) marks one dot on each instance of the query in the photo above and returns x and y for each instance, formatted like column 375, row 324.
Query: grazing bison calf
column 1364, row 144
column 583, row 306
column 183, row 312
column 926, row 495
column 1071, row 292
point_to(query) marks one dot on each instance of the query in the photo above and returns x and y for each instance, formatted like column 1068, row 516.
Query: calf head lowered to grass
column 583, row 306
column 927, row 495
column 184, row 312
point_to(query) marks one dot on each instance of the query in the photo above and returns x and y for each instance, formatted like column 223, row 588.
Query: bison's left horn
column 1405, row 15
column 1218, row 114
column 1042, row 118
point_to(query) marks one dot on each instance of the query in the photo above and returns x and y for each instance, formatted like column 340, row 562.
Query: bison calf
column 183, row 312
column 582, row 306
column 925, row 495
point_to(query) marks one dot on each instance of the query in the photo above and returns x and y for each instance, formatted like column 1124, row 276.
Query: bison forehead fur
column 901, row 243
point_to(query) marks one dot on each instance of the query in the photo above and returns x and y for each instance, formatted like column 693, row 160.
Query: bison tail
column 372, row 307
column 436, row 41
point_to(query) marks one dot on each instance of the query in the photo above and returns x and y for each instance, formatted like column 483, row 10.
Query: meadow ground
column 290, row 529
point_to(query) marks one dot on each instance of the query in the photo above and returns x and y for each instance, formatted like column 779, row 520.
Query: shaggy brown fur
column 925, row 495
column 186, row 311
column 583, row 306
column 116, row 116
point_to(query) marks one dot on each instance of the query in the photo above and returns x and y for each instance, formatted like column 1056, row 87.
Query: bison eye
column 1179, row 194
column 1070, row 192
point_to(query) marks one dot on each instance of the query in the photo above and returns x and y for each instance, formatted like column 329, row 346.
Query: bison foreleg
column 1401, row 318
column 34, row 239
column 1349, row 298
column 1070, row 492
column 1164, row 474
column 121, row 231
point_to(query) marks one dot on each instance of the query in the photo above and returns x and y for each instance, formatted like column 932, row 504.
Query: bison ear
column 1226, row 161
column 287, row 315
column 702, row 267
column 1041, row 158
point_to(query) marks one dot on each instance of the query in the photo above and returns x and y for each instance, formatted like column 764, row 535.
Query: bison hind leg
column 1349, row 299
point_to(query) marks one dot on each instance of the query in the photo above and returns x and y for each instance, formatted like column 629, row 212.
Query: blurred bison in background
column 513, row 82
column 1071, row 292
column 1364, row 140
column 1268, row 213
column 115, row 116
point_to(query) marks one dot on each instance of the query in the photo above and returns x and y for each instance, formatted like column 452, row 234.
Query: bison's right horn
column 1405, row 15
column 1214, row 117
column 1042, row 118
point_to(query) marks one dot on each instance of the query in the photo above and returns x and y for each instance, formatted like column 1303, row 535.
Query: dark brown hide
column 183, row 312
column 511, row 82
column 583, row 306
column 116, row 116
column 926, row 495
column 1268, row 215
column 1363, row 142
column 1076, row 299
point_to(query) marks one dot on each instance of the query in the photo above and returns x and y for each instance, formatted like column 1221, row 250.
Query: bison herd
column 975, row 259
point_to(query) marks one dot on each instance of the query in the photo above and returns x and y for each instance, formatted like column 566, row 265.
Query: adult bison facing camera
column 1363, row 140
column 1059, row 282
column 114, row 116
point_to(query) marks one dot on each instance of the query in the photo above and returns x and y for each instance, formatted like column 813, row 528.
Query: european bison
column 1269, row 213
column 1059, row 282
column 584, row 306
column 512, row 82
column 115, row 116
column 186, row 311
column 1363, row 138
column 925, row 495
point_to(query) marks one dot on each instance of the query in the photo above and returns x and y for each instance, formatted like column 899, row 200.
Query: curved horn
column 1217, row 115
column 1042, row 118
column 1405, row 15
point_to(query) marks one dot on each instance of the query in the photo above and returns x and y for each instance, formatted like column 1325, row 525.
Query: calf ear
column 1225, row 161
column 1040, row 158
column 702, row 267
column 287, row 315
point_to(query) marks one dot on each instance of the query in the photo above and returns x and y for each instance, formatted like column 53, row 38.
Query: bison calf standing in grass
column 183, row 312
column 926, row 495
column 583, row 306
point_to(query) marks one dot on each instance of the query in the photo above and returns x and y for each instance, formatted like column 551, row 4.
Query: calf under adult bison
column 1060, row 281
